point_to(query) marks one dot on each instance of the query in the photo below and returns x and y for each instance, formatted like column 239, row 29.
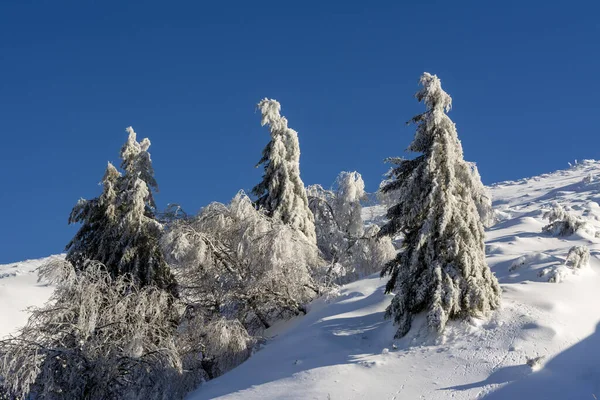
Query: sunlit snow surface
column 344, row 349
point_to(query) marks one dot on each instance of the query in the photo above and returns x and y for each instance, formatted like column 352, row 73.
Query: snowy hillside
column 343, row 348
column 19, row 289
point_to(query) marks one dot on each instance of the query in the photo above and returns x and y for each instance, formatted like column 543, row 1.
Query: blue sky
column 74, row 75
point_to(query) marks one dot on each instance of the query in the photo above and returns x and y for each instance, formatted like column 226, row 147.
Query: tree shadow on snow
column 343, row 332
column 572, row 374
column 499, row 376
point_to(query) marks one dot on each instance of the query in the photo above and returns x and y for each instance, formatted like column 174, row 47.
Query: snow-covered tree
column 350, row 190
column 442, row 269
column 233, row 261
column 341, row 235
column 330, row 236
column 119, row 228
column 281, row 192
column 97, row 338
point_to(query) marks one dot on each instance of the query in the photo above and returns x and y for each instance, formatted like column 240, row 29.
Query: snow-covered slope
column 19, row 289
column 344, row 349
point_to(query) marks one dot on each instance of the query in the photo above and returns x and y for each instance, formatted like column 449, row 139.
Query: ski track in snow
column 344, row 349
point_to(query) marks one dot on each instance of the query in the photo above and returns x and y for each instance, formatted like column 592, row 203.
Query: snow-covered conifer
column 119, row 228
column 442, row 269
column 281, row 192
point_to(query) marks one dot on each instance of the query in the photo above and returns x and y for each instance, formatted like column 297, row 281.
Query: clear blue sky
column 73, row 75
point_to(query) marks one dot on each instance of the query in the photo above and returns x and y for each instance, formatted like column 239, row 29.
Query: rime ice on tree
column 118, row 228
column 281, row 192
column 442, row 269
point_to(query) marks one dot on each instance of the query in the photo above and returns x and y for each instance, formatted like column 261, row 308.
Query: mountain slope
column 19, row 289
column 344, row 349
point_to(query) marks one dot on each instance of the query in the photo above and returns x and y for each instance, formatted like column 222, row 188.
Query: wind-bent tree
column 442, row 269
column 281, row 193
column 118, row 228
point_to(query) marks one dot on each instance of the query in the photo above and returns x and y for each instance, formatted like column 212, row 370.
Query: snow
column 19, row 290
column 344, row 349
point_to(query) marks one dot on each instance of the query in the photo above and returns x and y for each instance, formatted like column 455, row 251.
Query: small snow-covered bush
column 555, row 274
column 562, row 221
column 589, row 178
column 578, row 257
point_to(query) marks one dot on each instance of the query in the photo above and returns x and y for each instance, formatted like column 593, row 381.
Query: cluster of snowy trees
column 150, row 305
column 352, row 251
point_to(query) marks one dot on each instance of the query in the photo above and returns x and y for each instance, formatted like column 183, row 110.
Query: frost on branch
column 97, row 338
column 119, row 228
column 235, row 262
column 563, row 222
column 281, row 193
column 442, row 269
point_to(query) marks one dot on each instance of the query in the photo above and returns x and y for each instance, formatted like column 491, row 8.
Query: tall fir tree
column 282, row 193
column 119, row 228
column 442, row 269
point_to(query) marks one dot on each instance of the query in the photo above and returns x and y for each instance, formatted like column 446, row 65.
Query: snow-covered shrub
column 330, row 237
column 119, row 228
column 341, row 236
column 562, row 221
column 234, row 261
column 366, row 255
column 442, row 269
column 210, row 345
column 281, row 193
column 578, row 257
column 56, row 271
column 97, row 338
column 556, row 273
column 535, row 362
column 349, row 191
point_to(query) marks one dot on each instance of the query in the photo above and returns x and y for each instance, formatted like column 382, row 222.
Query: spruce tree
column 119, row 228
column 282, row 193
column 442, row 269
